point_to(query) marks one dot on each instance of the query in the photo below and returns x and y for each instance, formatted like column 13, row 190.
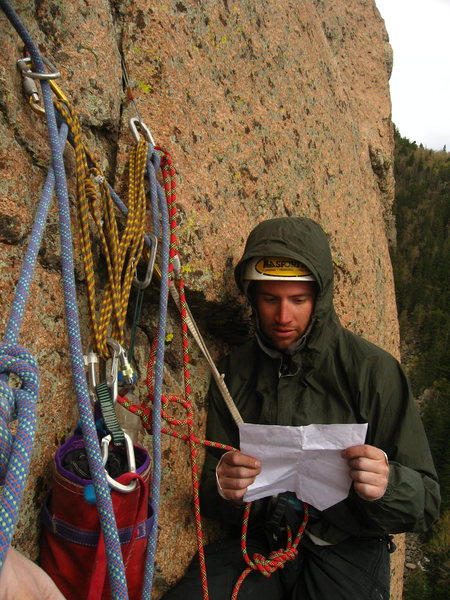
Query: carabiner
column 90, row 360
column 134, row 121
column 30, row 87
column 23, row 63
column 120, row 487
column 144, row 283
column 119, row 355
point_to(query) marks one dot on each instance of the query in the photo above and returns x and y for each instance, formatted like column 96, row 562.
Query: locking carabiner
column 29, row 83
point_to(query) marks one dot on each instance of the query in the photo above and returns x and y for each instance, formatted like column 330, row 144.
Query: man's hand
column 235, row 472
column 369, row 470
column 21, row 578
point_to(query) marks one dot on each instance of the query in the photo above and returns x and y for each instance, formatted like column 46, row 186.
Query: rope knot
column 262, row 564
column 16, row 400
column 288, row 554
column 276, row 560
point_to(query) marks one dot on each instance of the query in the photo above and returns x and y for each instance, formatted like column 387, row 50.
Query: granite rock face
column 268, row 109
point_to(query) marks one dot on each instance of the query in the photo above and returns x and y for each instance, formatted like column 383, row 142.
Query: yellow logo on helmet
column 276, row 266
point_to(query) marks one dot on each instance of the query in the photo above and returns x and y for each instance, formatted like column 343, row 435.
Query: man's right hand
column 235, row 472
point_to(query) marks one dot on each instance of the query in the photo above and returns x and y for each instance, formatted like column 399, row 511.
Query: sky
column 420, row 82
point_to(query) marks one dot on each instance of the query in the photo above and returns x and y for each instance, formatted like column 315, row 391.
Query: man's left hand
column 369, row 470
column 21, row 578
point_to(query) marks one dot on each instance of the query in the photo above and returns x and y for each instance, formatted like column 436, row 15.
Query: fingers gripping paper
column 305, row 460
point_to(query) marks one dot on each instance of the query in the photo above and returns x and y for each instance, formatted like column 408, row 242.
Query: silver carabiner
column 134, row 121
column 119, row 355
column 112, row 379
column 90, row 360
column 23, row 65
column 120, row 487
column 144, row 283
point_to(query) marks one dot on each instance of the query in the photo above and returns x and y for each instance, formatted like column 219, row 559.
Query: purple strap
column 84, row 537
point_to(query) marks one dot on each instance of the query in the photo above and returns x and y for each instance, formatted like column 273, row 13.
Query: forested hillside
column 421, row 262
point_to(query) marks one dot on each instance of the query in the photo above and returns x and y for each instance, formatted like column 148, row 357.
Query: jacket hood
column 299, row 238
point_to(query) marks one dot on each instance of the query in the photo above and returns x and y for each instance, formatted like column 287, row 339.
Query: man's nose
column 284, row 313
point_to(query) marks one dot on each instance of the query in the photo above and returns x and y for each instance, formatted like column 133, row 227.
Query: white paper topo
column 305, row 460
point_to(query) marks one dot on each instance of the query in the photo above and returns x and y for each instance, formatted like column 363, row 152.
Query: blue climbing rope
column 34, row 244
column 156, row 193
column 28, row 394
column 16, row 452
column 20, row 404
column 157, row 201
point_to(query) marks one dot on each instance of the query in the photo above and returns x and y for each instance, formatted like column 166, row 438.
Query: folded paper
column 305, row 460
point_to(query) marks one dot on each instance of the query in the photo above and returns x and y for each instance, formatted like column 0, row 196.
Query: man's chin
column 284, row 343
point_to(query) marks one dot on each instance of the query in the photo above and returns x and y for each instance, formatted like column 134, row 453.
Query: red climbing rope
column 276, row 559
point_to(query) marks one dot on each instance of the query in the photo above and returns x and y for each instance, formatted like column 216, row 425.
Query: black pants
column 356, row 569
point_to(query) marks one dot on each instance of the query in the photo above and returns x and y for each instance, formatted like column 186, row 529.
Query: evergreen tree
column 421, row 262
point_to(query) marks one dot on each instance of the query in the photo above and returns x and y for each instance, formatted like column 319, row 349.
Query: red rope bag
column 72, row 546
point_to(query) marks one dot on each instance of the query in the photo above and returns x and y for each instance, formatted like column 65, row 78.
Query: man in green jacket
column 301, row 368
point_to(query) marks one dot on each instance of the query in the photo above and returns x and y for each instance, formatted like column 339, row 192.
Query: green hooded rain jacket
column 331, row 376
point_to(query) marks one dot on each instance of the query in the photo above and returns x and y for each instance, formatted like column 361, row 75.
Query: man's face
column 284, row 309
